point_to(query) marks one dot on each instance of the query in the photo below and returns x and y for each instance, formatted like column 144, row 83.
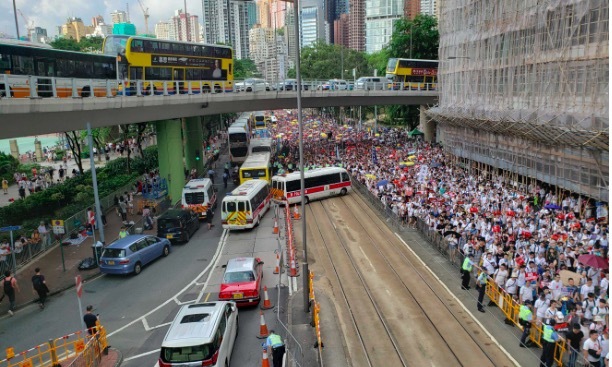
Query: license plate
column 110, row 262
column 168, row 236
column 237, row 295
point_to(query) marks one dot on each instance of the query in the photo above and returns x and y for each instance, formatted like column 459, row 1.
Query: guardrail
column 76, row 349
column 316, row 309
column 35, row 87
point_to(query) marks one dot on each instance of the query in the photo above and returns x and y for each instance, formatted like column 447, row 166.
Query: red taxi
column 242, row 281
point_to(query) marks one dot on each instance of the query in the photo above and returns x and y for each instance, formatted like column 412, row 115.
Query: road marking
column 207, row 296
column 217, row 258
column 367, row 258
column 459, row 302
column 141, row 355
column 173, row 298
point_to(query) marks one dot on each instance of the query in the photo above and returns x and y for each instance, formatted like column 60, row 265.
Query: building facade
column 357, row 25
column 412, row 8
column 75, row 29
column 532, row 98
column 162, row 30
column 312, row 22
column 341, row 35
column 379, row 18
column 119, row 16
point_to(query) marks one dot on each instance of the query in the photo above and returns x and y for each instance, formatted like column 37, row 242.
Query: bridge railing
column 35, row 87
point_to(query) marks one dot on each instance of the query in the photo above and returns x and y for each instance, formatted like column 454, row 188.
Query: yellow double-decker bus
column 206, row 68
column 257, row 165
column 412, row 74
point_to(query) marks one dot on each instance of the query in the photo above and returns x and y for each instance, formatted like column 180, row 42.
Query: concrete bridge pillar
column 38, row 150
column 192, row 133
column 14, row 148
column 427, row 127
column 169, row 146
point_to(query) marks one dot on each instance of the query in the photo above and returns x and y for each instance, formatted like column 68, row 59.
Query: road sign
column 58, row 226
column 10, row 228
column 79, row 286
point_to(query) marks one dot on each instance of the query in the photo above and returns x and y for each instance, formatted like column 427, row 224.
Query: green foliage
column 91, row 44
column 67, row 44
column 85, row 45
column 327, row 61
column 8, row 166
column 423, row 30
column 378, row 61
column 291, row 73
column 244, row 68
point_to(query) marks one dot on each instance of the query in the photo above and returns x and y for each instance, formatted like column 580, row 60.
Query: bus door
column 45, row 69
column 179, row 75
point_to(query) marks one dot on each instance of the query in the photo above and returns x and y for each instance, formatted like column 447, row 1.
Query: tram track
column 412, row 315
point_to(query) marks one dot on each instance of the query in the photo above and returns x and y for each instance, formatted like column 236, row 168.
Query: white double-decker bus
column 239, row 137
column 246, row 205
column 319, row 183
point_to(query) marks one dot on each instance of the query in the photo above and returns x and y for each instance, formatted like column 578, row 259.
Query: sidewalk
column 50, row 263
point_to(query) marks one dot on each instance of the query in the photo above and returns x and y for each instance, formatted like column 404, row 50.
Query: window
column 142, row 244
column 137, row 45
column 134, row 247
column 151, row 240
column 194, row 197
column 113, row 253
column 135, row 73
column 23, row 65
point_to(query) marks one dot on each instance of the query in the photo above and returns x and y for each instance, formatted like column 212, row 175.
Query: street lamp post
column 16, row 22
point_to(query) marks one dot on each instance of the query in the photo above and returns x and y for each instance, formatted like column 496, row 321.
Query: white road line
column 187, row 302
column 367, row 258
column 141, row 355
column 149, row 328
column 459, row 301
column 215, row 257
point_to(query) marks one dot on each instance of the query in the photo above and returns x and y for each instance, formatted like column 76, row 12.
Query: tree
column 291, row 73
column 244, row 68
column 74, row 141
column 67, row 44
column 423, row 30
column 378, row 61
column 141, row 127
column 91, row 44
column 327, row 61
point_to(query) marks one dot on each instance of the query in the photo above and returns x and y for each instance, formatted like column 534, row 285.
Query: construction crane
column 29, row 24
column 145, row 12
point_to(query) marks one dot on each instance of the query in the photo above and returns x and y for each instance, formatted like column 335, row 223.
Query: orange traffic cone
column 296, row 213
column 267, row 304
column 277, row 268
column 264, row 358
column 275, row 229
column 263, row 328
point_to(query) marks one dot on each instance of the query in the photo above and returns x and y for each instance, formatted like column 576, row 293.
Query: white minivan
column 371, row 83
column 201, row 334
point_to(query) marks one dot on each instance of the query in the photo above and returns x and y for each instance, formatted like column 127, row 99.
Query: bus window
column 5, row 64
column 179, row 74
column 137, row 46
column 135, row 73
column 23, row 65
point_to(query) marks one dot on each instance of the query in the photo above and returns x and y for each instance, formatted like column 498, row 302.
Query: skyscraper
column 217, row 28
column 357, row 25
column 313, row 25
column 264, row 11
column 75, row 29
column 119, row 16
column 412, row 8
column 379, row 19
column 162, row 30
column 341, row 36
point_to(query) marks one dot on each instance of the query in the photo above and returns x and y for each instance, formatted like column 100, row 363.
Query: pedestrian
column 525, row 319
column 209, row 217
column 225, row 178
column 123, row 232
column 549, row 338
column 466, row 270
column 61, row 172
column 211, row 175
column 44, row 234
column 102, row 215
column 22, row 192
column 90, row 320
column 10, row 288
column 591, row 349
column 123, row 209
column 573, row 338
column 481, row 285
column 275, row 343
column 5, row 186
column 129, row 200
column 39, row 284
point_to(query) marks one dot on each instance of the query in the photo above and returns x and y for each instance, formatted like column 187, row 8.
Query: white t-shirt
column 541, row 305
column 590, row 344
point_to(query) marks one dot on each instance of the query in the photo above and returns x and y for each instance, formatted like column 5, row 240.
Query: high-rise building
column 341, row 35
column 264, row 11
column 217, row 28
column 102, row 30
column 429, row 7
column 252, row 14
column 278, row 9
column 184, row 27
column 75, row 29
column 379, row 19
column 412, row 8
column 240, row 29
column 38, row 35
column 290, row 36
column 357, row 25
column 269, row 52
column 119, row 16
column 98, row 19
column 531, row 98
column 312, row 22
column 162, row 30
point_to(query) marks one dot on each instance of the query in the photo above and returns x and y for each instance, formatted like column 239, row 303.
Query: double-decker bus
column 204, row 67
column 261, row 145
column 257, row 165
column 259, row 120
column 319, row 183
column 246, row 205
column 19, row 59
column 413, row 74
column 239, row 138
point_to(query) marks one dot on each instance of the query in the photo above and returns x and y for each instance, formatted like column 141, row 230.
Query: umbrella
column 593, row 261
column 370, row 176
column 382, row 183
column 411, row 157
column 406, row 163
column 451, row 233
column 552, row 206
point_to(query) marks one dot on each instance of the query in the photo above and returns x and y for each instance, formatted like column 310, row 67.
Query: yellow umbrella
column 407, row 163
column 370, row 176
column 323, row 135
column 411, row 157
column 377, row 135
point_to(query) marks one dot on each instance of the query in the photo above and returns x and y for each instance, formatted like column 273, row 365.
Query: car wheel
column 166, row 251
column 343, row 192
column 137, row 268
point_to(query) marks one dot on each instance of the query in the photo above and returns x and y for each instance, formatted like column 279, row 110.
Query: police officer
column 466, row 270
column 275, row 342
column 481, row 285
column 525, row 319
column 549, row 337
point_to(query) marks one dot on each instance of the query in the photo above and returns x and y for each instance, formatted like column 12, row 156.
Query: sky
column 52, row 13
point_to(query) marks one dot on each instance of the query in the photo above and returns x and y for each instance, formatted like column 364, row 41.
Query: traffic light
column 197, row 154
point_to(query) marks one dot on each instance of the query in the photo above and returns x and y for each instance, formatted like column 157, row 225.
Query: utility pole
column 16, row 22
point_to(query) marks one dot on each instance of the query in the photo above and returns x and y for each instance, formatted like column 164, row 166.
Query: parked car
column 372, row 83
column 242, row 281
column 202, row 334
column 177, row 225
column 251, row 85
column 129, row 254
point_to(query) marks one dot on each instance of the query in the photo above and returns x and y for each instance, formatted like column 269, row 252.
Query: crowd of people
column 526, row 237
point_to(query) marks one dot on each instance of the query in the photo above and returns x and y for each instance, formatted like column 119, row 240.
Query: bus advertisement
column 413, row 74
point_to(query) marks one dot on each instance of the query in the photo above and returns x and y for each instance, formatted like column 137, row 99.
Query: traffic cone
column 264, row 358
column 275, row 229
column 277, row 268
column 263, row 328
column 296, row 213
column 267, row 304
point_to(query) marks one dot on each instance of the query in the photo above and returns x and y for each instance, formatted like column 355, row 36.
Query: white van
column 201, row 334
column 198, row 195
column 371, row 83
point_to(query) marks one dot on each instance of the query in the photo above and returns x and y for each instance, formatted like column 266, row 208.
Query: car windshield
column 194, row 353
column 238, row 276
column 168, row 223
column 113, row 253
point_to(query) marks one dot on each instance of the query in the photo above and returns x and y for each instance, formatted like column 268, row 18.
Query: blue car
column 129, row 254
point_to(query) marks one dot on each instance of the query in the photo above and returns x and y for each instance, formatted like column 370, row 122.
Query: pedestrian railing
column 78, row 349
column 316, row 309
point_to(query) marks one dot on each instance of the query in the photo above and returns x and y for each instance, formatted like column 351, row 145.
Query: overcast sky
column 51, row 13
